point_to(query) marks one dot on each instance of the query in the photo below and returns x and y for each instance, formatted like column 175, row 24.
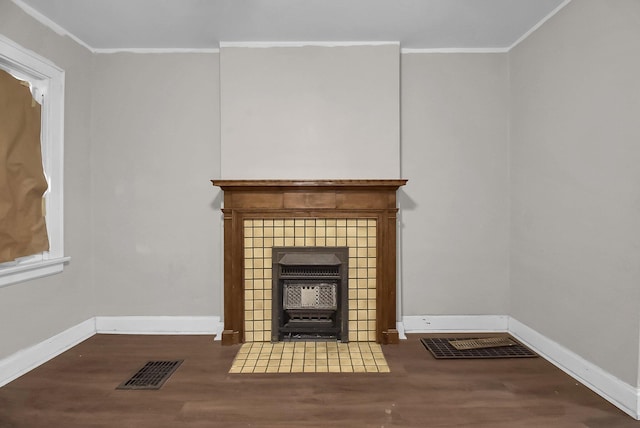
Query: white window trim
column 49, row 82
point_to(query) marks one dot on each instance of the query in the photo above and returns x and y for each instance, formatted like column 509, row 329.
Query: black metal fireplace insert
column 310, row 293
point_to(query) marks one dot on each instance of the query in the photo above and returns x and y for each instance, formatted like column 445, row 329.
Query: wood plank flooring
column 77, row 389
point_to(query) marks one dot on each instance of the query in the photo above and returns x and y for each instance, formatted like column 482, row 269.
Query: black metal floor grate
column 441, row 348
column 152, row 375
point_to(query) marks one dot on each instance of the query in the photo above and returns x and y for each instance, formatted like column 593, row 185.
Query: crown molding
column 453, row 50
column 157, row 50
column 539, row 24
column 59, row 30
column 300, row 44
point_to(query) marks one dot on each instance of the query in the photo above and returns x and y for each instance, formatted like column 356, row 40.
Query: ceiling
column 203, row 24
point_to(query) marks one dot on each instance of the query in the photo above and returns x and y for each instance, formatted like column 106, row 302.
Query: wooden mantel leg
column 230, row 337
column 386, row 294
column 233, row 289
column 390, row 337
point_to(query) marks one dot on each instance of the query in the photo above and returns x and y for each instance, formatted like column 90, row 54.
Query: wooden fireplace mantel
column 254, row 199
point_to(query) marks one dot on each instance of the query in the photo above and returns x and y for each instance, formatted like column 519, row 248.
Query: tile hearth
column 310, row 357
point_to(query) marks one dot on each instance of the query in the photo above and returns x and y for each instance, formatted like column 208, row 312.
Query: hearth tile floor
column 310, row 357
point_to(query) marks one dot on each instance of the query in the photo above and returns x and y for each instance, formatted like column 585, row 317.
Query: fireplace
column 262, row 215
column 310, row 293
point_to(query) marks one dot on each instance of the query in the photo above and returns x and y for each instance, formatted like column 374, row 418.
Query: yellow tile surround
column 310, row 357
column 261, row 235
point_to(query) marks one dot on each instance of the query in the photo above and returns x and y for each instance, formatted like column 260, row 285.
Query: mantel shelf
column 240, row 185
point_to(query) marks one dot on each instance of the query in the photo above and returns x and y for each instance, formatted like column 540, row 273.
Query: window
column 47, row 81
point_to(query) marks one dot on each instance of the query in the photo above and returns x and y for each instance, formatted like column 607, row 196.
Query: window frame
column 48, row 81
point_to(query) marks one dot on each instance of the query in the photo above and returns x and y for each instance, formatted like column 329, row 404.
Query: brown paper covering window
column 23, row 231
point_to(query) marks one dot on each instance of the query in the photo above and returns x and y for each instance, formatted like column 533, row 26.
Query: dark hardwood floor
column 77, row 389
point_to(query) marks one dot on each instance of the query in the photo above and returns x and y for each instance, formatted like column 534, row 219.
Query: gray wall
column 33, row 311
column 575, row 193
column 310, row 112
column 455, row 208
column 156, row 216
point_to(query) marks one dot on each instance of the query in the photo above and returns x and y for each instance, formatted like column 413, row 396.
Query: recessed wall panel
column 310, row 112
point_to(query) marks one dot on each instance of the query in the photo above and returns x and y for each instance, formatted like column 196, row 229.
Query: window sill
column 27, row 271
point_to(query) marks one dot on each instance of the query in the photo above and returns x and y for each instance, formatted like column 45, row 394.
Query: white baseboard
column 159, row 325
column 25, row 360
column 455, row 323
column 400, row 328
column 603, row 383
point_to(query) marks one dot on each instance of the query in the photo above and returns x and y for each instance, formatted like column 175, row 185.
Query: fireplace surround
column 340, row 207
